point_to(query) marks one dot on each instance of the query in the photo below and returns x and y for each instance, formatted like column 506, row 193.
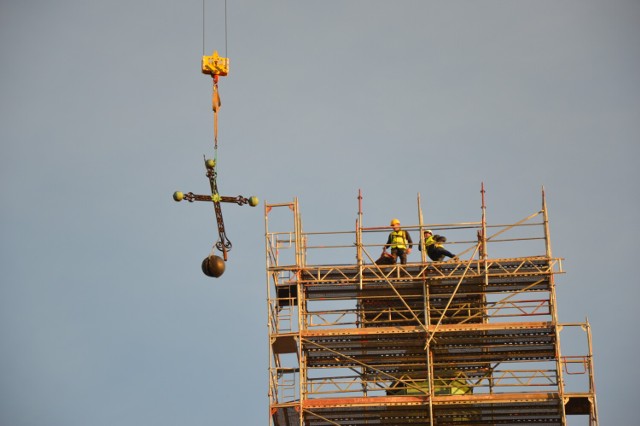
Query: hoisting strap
column 215, row 105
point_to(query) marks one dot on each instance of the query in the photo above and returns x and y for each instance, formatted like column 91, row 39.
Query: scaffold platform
column 471, row 341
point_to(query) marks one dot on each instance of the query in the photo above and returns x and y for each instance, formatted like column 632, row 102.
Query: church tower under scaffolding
column 472, row 341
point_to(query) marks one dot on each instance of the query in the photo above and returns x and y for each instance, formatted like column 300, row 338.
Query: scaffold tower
column 470, row 341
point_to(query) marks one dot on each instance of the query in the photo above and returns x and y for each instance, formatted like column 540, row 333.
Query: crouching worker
column 428, row 239
column 437, row 252
column 400, row 243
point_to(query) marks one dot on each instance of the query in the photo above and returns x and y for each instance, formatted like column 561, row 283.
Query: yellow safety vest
column 429, row 241
column 398, row 239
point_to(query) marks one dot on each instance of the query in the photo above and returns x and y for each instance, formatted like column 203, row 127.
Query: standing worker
column 400, row 243
column 437, row 252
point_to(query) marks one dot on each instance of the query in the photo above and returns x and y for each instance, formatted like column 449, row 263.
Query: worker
column 428, row 239
column 400, row 243
column 437, row 252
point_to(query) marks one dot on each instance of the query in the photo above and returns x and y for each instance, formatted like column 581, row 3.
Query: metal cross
column 223, row 244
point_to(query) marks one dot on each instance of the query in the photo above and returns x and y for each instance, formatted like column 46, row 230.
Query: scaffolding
column 475, row 341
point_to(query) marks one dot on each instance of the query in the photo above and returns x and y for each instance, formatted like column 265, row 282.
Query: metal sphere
column 213, row 266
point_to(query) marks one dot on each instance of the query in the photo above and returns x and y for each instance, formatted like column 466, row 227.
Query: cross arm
column 239, row 200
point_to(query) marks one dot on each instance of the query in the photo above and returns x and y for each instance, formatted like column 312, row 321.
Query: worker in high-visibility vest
column 428, row 239
column 437, row 252
column 399, row 242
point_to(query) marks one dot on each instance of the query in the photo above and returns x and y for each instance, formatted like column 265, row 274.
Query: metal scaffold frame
column 471, row 341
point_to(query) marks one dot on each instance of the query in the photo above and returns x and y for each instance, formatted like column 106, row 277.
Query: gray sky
column 105, row 317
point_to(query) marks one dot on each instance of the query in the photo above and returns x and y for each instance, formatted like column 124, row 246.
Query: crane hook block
column 215, row 65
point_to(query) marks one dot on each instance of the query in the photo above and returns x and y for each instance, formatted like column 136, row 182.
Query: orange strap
column 215, row 105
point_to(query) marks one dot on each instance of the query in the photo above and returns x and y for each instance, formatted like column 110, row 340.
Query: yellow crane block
column 215, row 65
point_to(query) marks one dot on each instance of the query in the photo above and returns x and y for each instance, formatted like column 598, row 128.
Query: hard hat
column 395, row 222
column 429, row 231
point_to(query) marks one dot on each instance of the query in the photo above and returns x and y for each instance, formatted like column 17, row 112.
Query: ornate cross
column 223, row 244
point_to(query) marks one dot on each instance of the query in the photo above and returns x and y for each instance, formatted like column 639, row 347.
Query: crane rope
column 203, row 27
column 226, row 26
column 226, row 53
